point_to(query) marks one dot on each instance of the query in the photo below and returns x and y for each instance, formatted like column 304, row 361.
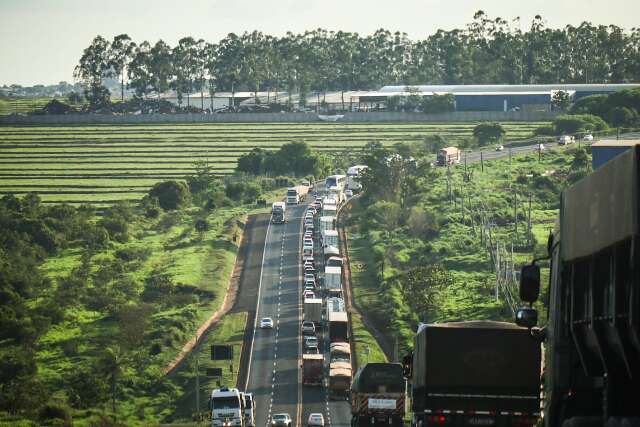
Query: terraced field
column 102, row 164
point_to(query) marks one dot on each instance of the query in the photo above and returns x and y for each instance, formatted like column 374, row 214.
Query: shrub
column 171, row 195
column 133, row 254
column 578, row 123
column 55, row 411
column 546, row 130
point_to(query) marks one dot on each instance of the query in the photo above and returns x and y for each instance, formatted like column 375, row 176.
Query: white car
column 587, row 137
column 311, row 344
column 499, row 147
column 348, row 193
column 281, row 420
column 307, row 294
column 266, row 323
column 308, row 327
column 316, row 419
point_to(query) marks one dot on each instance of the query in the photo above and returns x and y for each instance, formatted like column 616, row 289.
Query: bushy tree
column 438, row 104
column 487, row 133
column 171, row 195
column 561, row 100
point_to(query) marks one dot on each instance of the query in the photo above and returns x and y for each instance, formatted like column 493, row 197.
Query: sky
column 42, row 40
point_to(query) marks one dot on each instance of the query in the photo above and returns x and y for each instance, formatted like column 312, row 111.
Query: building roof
column 616, row 143
column 514, row 88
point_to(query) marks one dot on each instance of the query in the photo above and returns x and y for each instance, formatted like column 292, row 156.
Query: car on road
column 310, row 342
column 315, row 420
column 587, row 137
column 281, row 420
column 310, row 269
column 308, row 242
column 499, row 147
column 308, row 294
column 309, row 263
column 311, row 209
column 308, row 287
column 348, row 193
column 308, row 327
column 266, row 323
column 309, row 277
column 566, row 140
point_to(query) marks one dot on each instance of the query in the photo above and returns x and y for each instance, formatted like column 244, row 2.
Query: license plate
column 481, row 421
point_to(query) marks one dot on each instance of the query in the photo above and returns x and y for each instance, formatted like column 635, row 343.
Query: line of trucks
column 328, row 311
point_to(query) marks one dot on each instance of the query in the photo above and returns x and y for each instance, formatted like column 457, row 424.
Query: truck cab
column 226, row 408
column 293, row 197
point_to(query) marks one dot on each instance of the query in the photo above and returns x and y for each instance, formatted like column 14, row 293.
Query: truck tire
column 583, row 422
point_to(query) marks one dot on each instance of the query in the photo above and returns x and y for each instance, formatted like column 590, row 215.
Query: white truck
column 296, row 194
column 330, row 210
column 226, row 405
column 326, row 223
column 333, row 281
column 313, row 310
column 330, row 246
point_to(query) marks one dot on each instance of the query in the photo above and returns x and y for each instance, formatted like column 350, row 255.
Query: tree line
column 486, row 51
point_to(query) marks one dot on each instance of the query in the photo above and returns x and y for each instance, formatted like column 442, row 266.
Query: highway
column 273, row 369
column 274, row 375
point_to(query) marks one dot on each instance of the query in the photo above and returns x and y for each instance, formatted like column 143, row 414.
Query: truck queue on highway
column 488, row 373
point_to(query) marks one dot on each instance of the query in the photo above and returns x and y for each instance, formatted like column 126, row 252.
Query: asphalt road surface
column 274, row 375
column 273, row 368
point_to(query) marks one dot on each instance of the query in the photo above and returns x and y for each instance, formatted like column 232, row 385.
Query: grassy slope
column 64, row 159
column 457, row 247
column 205, row 262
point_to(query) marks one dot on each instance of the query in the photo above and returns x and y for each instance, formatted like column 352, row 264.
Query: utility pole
column 509, row 157
column 529, row 221
column 515, row 211
column 197, row 381
column 481, row 163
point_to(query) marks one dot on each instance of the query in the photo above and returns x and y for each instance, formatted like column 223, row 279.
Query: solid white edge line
column 255, row 320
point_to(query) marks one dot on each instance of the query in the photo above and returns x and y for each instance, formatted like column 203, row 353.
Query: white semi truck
column 226, row 406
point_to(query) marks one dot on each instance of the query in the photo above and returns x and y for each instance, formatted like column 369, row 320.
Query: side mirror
column 529, row 283
column 527, row 317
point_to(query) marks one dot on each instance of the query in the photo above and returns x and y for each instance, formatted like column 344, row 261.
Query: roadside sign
column 221, row 352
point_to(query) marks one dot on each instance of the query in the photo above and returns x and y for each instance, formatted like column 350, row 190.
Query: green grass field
column 101, row 164
column 457, row 245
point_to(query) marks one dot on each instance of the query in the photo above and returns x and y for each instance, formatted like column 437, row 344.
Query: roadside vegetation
column 430, row 242
column 95, row 304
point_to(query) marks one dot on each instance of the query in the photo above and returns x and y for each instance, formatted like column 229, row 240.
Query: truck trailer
column 312, row 369
column 339, row 379
column 378, row 395
column 338, row 326
column 448, row 156
column 592, row 334
column 475, row 373
column 313, row 310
